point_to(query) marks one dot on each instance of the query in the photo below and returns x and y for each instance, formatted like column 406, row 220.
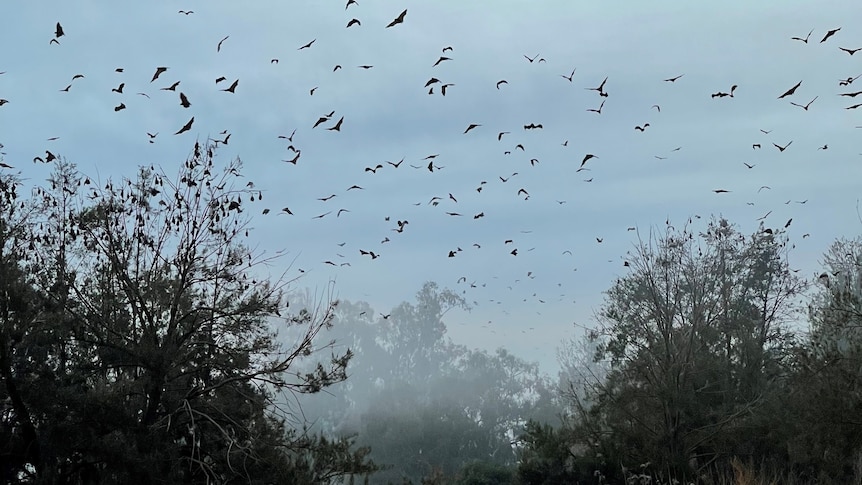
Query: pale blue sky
column 388, row 115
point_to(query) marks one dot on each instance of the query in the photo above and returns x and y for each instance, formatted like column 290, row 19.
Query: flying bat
column 232, row 88
column 829, row 34
column 172, row 87
column 805, row 40
column 337, row 126
column 186, row 127
column 782, row 148
column 398, row 20
column 159, row 71
column 791, row 90
column 218, row 47
column 805, row 107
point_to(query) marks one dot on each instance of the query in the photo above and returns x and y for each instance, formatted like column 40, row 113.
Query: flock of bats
column 330, row 122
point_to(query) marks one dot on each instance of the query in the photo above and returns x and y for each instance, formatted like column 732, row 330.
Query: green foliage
column 548, row 456
column 484, row 473
column 695, row 335
column 136, row 341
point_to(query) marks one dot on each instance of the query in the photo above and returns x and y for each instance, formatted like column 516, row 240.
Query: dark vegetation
column 142, row 341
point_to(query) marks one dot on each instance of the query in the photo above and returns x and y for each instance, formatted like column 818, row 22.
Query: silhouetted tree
column 695, row 334
column 137, row 342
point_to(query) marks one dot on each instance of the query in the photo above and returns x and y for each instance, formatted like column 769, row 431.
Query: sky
column 530, row 302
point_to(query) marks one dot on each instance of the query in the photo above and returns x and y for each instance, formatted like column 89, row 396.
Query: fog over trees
column 142, row 341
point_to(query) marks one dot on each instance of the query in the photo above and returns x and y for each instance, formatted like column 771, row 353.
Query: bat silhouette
column 791, row 90
column 184, row 101
column 805, row 40
column 599, row 111
column 186, row 127
column 782, row 148
column 829, row 34
column 398, row 20
column 848, row 81
column 337, row 126
column 232, row 88
column 600, row 89
column 159, row 71
column 218, row 47
column 805, row 107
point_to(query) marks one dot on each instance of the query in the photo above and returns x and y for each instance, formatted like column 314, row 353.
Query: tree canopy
column 137, row 339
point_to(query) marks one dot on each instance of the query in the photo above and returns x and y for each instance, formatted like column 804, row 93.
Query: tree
column 695, row 334
column 155, row 354
column 548, row 456
column 823, row 399
column 425, row 406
